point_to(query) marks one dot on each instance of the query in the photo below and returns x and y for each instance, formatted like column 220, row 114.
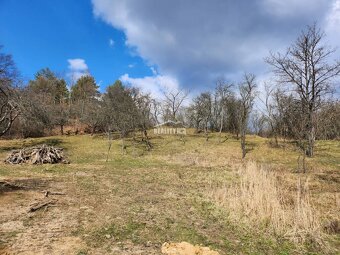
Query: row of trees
column 295, row 105
column 223, row 109
column 307, row 69
column 46, row 103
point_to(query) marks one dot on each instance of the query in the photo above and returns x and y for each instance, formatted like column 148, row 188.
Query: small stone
column 108, row 236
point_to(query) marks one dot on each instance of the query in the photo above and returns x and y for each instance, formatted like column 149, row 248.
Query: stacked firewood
column 42, row 154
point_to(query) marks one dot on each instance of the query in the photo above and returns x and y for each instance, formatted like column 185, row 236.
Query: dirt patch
column 44, row 231
column 185, row 248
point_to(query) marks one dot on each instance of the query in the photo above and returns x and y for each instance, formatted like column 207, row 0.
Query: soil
column 185, row 248
column 49, row 230
column 46, row 231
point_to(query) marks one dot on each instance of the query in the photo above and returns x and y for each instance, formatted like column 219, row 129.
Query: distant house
column 170, row 128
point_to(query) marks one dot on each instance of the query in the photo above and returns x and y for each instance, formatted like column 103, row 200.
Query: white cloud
column 155, row 85
column 77, row 64
column 111, row 42
column 153, row 70
column 131, row 65
column 77, row 68
column 333, row 23
column 197, row 41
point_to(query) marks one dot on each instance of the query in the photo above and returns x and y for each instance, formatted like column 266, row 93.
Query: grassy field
column 140, row 199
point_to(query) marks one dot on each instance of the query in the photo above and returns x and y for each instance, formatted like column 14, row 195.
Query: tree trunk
column 62, row 129
column 93, row 130
column 310, row 135
column 109, row 139
column 198, row 125
column 146, row 139
column 206, row 132
column 311, row 142
column 243, row 130
column 221, row 126
column 243, row 144
column 123, row 145
column 274, row 129
column 284, row 133
column 276, row 140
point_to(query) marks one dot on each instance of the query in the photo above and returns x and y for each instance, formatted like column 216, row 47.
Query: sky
column 157, row 45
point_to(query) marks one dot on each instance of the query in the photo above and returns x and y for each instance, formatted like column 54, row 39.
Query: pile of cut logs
column 42, row 154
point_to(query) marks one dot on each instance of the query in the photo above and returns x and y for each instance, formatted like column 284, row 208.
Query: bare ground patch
column 24, row 232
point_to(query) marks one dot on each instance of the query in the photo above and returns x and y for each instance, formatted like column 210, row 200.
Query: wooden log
column 47, row 193
column 42, row 204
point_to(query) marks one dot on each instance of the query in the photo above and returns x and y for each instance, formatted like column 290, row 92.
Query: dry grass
column 145, row 197
column 260, row 201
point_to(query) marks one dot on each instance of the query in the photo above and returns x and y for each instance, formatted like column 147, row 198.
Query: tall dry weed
column 261, row 201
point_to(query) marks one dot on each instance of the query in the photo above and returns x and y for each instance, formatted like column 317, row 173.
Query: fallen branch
column 40, row 205
column 47, row 193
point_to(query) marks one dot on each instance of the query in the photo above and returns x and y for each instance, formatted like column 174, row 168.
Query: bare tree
column 193, row 116
column 143, row 104
column 258, row 120
column 35, row 113
column 328, row 121
column 222, row 93
column 83, row 93
column 233, row 112
column 203, row 106
column 306, row 67
column 155, row 111
column 94, row 116
column 121, row 113
column 45, row 100
column 271, row 113
column 247, row 95
column 9, row 110
column 173, row 101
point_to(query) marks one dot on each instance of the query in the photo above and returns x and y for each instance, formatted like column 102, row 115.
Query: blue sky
column 47, row 33
column 159, row 45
